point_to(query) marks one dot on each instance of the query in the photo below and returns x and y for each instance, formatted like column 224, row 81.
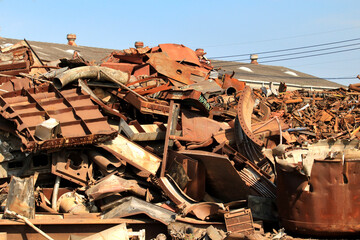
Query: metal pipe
column 104, row 163
column 91, row 72
column 55, row 193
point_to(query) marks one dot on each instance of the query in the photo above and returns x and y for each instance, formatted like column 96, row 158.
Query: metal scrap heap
column 160, row 140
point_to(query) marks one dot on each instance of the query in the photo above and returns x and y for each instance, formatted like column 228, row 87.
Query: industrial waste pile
column 159, row 135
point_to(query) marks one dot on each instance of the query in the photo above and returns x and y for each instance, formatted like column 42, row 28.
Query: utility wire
column 297, row 53
column 292, row 58
column 288, row 49
column 313, row 55
column 326, row 62
column 295, row 77
column 284, row 38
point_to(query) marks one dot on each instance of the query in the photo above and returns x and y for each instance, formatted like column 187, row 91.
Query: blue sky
column 220, row 27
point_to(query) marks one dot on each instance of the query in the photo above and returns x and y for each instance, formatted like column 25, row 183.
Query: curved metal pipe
column 106, row 164
column 91, row 72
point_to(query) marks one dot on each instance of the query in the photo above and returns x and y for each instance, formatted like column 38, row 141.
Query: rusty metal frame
column 239, row 221
column 80, row 120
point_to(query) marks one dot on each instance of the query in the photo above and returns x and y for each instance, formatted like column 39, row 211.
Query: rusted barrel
column 328, row 204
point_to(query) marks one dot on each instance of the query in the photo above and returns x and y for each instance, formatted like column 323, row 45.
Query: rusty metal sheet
column 124, row 67
column 233, row 82
column 15, row 59
column 21, row 197
column 193, row 126
column 133, row 154
column 207, row 87
column 326, row 204
column 195, row 187
column 114, row 184
column 80, row 120
column 119, row 231
column 144, row 132
column 60, row 227
column 141, row 70
column 180, row 53
column 15, row 84
column 175, row 71
column 130, row 206
column 221, row 176
column 148, row 107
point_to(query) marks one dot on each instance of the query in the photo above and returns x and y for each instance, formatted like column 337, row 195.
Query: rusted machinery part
column 245, row 145
column 245, row 110
column 71, row 202
column 90, row 72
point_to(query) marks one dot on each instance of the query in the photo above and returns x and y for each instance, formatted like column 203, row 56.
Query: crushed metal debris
column 155, row 143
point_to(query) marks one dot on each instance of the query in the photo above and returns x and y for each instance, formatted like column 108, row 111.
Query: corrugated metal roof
column 54, row 51
column 267, row 73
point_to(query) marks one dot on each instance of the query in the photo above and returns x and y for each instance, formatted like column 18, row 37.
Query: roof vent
column 71, row 39
column 254, row 58
column 139, row 44
column 200, row 52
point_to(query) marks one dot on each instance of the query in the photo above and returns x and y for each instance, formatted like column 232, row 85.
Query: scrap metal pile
column 158, row 132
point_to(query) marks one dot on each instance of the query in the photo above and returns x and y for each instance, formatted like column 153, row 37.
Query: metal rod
column 32, row 77
column 27, row 221
column 32, row 50
column 55, row 193
column 170, row 130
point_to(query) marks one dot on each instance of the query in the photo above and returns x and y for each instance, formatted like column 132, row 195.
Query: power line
column 297, row 53
column 288, row 49
column 277, row 39
column 326, row 62
column 292, row 58
column 295, row 77
column 313, row 55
